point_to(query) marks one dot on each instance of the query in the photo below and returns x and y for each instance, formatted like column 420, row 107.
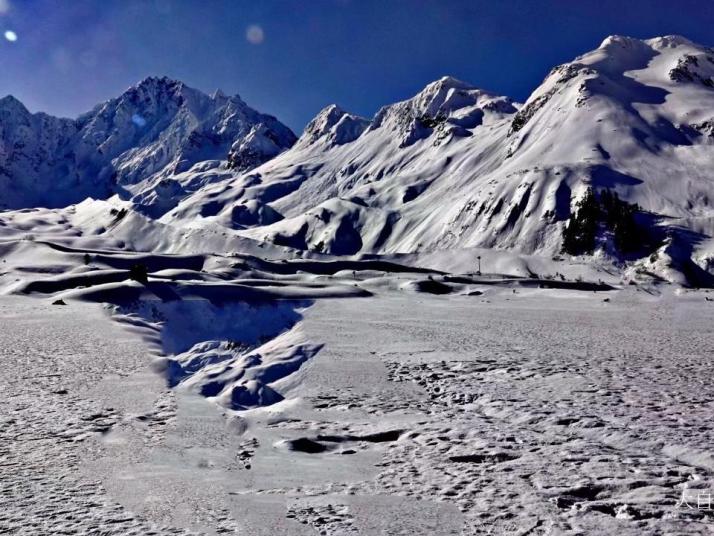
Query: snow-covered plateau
column 465, row 315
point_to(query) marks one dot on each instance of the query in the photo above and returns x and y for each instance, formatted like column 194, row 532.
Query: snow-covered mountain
column 133, row 145
column 350, row 185
column 452, row 167
column 455, row 166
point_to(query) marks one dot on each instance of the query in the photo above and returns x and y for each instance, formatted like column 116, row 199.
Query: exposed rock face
column 694, row 68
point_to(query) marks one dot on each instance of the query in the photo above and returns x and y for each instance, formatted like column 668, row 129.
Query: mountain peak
column 159, row 81
column 335, row 124
column 9, row 102
column 449, row 82
column 620, row 40
column 448, row 94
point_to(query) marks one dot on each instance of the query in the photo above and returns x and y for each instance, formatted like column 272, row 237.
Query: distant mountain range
column 452, row 167
column 154, row 130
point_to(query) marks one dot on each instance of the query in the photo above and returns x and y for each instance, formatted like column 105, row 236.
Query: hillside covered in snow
column 453, row 167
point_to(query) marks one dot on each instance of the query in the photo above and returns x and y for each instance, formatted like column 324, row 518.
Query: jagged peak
column 155, row 88
column 331, row 110
column 328, row 116
column 10, row 102
column 176, row 88
column 158, row 81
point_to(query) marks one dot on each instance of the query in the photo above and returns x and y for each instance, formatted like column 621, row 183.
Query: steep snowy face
column 31, row 146
column 154, row 130
column 632, row 115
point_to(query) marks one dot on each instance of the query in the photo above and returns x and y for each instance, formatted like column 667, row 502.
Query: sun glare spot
column 254, row 34
column 11, row 36
column 138, row 120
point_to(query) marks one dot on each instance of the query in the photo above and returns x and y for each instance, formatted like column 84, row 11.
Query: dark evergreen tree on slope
column 607, row 211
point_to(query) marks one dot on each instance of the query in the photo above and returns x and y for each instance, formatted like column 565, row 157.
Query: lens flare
column 11, row 36
column 254, row 34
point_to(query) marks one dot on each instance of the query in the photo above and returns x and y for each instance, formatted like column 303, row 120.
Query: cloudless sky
column 292, row 58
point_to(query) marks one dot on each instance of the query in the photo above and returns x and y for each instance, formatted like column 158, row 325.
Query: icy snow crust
column 482, row 412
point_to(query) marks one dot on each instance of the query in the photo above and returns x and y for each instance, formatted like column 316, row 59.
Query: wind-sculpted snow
column 225, row 329
column 232, row 353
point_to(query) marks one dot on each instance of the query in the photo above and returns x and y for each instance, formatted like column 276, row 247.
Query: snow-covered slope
column 455, row 166
column 31, row 151
column 133, row 145
column 349, row 185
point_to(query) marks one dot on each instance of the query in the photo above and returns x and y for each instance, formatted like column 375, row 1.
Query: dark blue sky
column 71, row 54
